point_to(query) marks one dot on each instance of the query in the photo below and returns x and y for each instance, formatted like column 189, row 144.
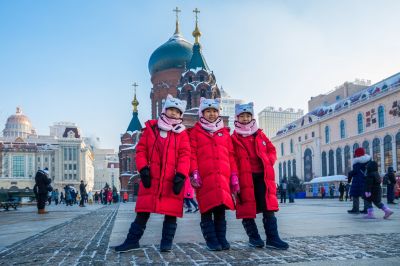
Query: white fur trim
column 363, row 159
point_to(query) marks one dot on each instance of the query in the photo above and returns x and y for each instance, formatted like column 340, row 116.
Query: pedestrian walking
column 41, row 189
column 357, row 179
column 283, row 190
column 189, row 194
column 341, row 191
column 291, row 190
column 255, row 157
column 390, row 181
column 55, row 196
column 125, row 197
column 62, row 198
column 322, row 189
column 82, row 190
column 373, row 191
column 332, row 191
column 163, row 160
column 347, row 190
column 213, row 172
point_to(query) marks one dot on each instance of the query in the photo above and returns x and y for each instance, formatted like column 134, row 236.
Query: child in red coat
column 255, row 157
column 213, row 172
column 163, row 160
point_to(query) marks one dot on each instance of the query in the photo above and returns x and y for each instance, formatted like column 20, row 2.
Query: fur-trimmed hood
column 362, row 159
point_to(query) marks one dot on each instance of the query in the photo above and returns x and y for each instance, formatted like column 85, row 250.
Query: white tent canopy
column 325, row 179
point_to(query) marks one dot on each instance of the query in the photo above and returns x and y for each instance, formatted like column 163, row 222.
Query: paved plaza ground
column 320, row 232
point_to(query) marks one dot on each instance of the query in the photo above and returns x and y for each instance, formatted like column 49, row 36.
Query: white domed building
column 23, row 152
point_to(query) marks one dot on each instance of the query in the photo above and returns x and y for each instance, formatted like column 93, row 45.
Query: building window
column 365, row 145
column 291, row 146
column 398, row 150
column 280, row 171
column 284, row 170
column 387, row 151
column 282, row 152
column 313, row 134
column 339, row 168
column 324, row 168
column 18, row 164
column 355, row 147
column 347, row 158
column 342, row 129
column 294, row 167
column 306, row 137
column 376, row 152
column 327, row 134
column 381, row 116
column 331, row 163
column 360, row 123
column 308, row 170
column 299, row 139
column 157, row 110
column 289, row 168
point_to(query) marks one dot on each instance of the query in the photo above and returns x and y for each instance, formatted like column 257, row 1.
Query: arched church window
column 331, row 163
column 324, row 168
column 387, row 151
column 339, row 168
column 347, row 158
column 308, row 170
column 365, row 145
column 376, row 152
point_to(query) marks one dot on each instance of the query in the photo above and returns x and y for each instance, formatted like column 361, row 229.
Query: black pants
column 82, row 202
column 218, row 212
column 143, row 217
column 190, row 202
column 265, row 215
column 390, row 193
column 41, row 200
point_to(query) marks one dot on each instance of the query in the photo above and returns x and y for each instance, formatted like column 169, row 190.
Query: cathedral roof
column 175, row 53
column 197, row 61
column 134, row 125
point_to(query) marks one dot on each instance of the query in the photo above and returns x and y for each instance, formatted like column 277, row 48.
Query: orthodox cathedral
column 178, row 68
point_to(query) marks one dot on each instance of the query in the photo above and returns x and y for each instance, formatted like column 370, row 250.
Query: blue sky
column 72, row 60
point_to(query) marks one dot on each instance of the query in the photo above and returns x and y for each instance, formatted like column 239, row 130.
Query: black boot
column 208, row 230
column 271, row 230
column 220, row 231
column 132, row 239
column 168, row 233
column 252, row 231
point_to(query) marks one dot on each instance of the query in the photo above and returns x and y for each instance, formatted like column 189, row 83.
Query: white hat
column 244, row 108
column 171, row 102
column 209, row 103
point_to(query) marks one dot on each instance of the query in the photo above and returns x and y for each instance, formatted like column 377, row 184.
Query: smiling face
column 245, row 118
column 211, row 114
column 173, row 113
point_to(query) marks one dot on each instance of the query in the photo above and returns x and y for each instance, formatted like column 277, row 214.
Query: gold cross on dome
column 135, row 85
column 176, row 10
column 196, row 11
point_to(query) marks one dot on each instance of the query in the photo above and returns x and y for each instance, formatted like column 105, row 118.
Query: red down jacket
column 175, row 157
column 246, row 207
column 212, row 156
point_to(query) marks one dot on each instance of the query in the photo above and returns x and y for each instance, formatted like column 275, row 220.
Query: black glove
column 145, row 177
column 179, row 181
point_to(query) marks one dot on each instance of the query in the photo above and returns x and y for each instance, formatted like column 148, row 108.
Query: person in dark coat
column 41, row 189
column 373, row 191
column 82, row 190
column 357, row 179
column 390, row 181
column 341, row 191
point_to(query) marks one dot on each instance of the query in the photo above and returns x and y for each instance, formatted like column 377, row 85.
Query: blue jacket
column 357, row 175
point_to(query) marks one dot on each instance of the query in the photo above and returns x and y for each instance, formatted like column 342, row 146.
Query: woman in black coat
column 41, row 189
column 373, row 191
column 357, row 178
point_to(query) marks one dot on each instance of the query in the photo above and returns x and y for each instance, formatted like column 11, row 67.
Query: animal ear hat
column 244, row 108
column 171, row 102
column 209, row 103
